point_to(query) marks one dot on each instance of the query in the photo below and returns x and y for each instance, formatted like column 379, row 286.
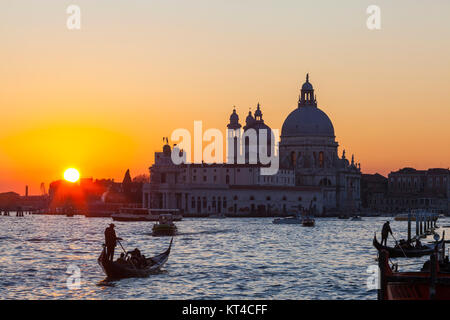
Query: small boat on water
column 356, row 218
column 407, row 250
column 432, row 283
column 404, row 217
column 118, row 270
column 417, row 212
column 144, row 214
column 288, row 220
column 308, row 221
column 165, row 226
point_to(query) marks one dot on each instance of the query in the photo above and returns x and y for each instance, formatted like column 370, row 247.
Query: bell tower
column 233, row 137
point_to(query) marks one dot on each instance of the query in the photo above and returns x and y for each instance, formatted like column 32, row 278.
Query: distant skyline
column 100, row 99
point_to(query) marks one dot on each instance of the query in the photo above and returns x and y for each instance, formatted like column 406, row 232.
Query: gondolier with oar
column 385, row 233
column 110, row 241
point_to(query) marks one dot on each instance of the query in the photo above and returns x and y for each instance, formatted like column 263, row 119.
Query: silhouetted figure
column 122, row 259
column 418, row 244
column 385, row 232
column 135, row 257
column 110, row 241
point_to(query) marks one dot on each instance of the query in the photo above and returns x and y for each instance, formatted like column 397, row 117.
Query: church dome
column 307, row 121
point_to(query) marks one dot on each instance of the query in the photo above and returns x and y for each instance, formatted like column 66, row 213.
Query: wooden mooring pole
column 409, row 227
column 420, row 225
column 417, row 226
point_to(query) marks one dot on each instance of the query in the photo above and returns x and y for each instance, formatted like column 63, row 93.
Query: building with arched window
column 311, row 175
column 308, row 146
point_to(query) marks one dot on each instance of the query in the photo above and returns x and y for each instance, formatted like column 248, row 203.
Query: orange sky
column 100, row 99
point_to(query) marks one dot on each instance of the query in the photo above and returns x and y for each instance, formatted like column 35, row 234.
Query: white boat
column 307, row 221
column 417, row 212
column 289, row 220
column 144, row 214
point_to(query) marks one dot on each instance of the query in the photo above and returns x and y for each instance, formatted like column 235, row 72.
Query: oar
column 122, row 247
column 399, row 245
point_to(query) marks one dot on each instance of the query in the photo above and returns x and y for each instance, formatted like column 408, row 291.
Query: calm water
column 211, row 259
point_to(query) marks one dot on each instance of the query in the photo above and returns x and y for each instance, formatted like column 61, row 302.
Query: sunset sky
column 100, row 99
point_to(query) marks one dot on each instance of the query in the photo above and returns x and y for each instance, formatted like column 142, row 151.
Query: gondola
column 407, row 252
column 116, row 270
column 430, row 284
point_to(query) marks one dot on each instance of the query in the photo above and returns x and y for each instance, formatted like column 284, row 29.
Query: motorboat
column 165, row 226
column 288, row 220
column 143, row 214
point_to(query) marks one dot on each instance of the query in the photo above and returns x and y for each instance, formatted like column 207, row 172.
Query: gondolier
column 110, row 241
column 385, row 232
column 409, row 251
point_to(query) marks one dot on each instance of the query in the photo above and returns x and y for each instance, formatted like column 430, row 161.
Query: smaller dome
column 234, row 117
column 249, row 119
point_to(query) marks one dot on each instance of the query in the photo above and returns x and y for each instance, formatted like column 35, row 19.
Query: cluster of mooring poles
column 19, row 212
column 425, row 224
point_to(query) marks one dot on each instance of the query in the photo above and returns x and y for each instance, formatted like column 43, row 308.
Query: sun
column 71, row 175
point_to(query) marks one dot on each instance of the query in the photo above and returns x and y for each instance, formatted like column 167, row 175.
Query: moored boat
column 423, row 285
column 404, row 217
column 432, row 214
column 407, row 250
column 120, row 270
column 356, row 218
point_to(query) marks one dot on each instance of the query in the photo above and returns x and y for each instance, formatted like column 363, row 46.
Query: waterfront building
column 311, row 175
column 407, row 189
column 374, row 189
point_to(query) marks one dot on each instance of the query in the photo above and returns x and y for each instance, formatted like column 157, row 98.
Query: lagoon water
column 211, row 259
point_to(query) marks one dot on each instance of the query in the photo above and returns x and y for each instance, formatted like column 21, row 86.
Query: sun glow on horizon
column 71, row 175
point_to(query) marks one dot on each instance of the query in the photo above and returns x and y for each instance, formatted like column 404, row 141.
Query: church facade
column 311, row 175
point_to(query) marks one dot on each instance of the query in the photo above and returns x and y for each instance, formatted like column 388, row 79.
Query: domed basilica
column 308, row 146
column 311, row 174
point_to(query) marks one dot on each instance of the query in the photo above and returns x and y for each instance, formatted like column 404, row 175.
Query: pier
column 425, row 224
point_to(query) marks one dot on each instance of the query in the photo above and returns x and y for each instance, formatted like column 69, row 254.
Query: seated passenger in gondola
column 135, row 257
column 418, row 244
column 121, row 259
column 143, row 261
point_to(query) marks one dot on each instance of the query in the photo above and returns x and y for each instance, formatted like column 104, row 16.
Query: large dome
column 307, row 121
